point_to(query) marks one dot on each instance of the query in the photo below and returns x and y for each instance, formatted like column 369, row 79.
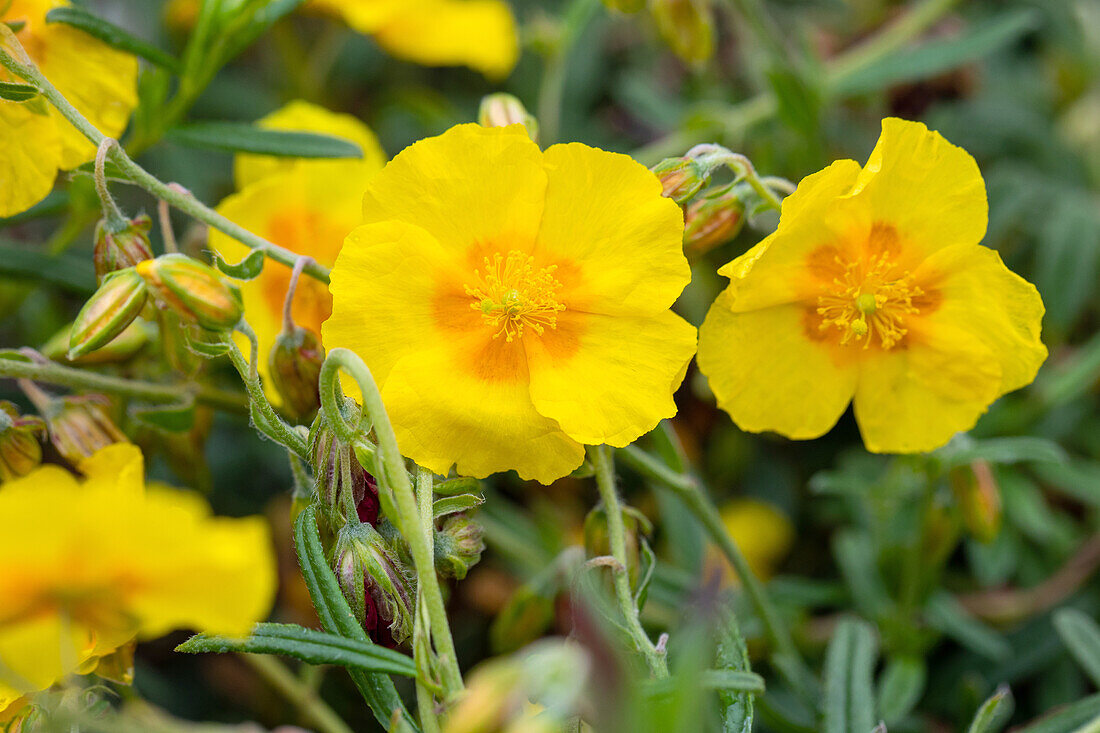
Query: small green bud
column 295, row 366
column 20, row 446
column 108, row 312
column 501, row 110
column 79, row 426
column 121, row 348
column 195, row 291
column 458, row 546
column 687, row 26
column 710, row 222
column 377, row 584
column 336, row 470
column 126, row 248
column 681, row 178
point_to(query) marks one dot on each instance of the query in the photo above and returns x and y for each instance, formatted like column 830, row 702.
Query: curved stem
column 116, row 222
column 604, row 463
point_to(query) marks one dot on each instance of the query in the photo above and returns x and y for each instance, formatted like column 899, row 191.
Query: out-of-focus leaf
column 175, row 418
column 733, row 681
column 112, row 35
column 645, row 572
column 1067, row 719
column 240, row 137
column 1068, row 259
column 937, row 57
column 1078, row 478
column 69, row 273
column 733, row 656
column 855, row 556
column 994, row 712
column 1081, row 635
column 900, row 687
column 1015, row 449
column 849, row 660
column 799, row 102
column 1072, row 377
column 247, row 269
column 945, row 614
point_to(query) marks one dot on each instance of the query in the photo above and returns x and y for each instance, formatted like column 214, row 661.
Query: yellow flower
column 85, row 566
column 874, row 289
column 763, row 533
column 307, row 206
column 513, row 304
column 480, row 34
column 100, row 81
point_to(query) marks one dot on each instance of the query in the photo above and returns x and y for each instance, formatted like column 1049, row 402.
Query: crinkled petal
column 609, row 379
column 769, row 374
column 31, row 157
column 618, row 242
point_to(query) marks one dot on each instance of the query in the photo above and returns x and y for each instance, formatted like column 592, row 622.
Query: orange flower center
column 514, row 295
column 869, row 299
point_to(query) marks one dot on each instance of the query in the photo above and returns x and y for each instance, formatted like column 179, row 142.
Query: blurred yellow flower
column 85, row 566
column 763, row 533
column 480, row 34
column 513, row 304
column 305, row 205
column 100, row 81
column 874, row 289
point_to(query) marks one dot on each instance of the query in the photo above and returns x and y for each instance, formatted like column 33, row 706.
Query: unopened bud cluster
column 81, row 425
column 712, row 221
column 501, row 110
column 20, row 442
column 294, row 363
column 377, row 583
column 119, row 250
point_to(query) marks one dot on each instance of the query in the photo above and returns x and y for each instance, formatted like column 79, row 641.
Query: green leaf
column 733, row 656
column 855, row 556
column 937, row 57
column 175, row 418
column 1067, row 719
column 73, row 274
column 308, row 645
column 645, row 574
column 994, row 712
column 461, row 485
column 336, row 616
column 849, row 661
column 1019, row 449
column 1081, row 635
column 455, row 504
column 945, row 614
column 900, row 687
column 247, row 269
column 733, row 681
column 16, row 92
column 240, row 137
column 112, row 35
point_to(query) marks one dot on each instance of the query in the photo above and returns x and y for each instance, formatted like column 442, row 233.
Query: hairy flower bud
column 20, row 446
column 336, row 470
column 108, row 312
column 710, row 222
column 458, row 546
column 195, row 291
column 118, row 250
column 501, row 110
column 377, row 584
column 681, row 178
column 979, row 500
column 687, row 26
column 80, row 426
column 295, row 367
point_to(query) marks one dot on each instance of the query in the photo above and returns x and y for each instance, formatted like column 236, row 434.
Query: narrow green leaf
column 69, row 273
column 455, row 504
column 1066, row 719
column 645, row 574
column 939, row 56
column 112, row 35
column 308, row 645
column 247, row 269
column 855, row 556
column 849, row 662
column 460, row 485
column 900, row 687
column 240, row 137
column 733, row 681
column 946, row 615
column 16, row 92
column 994, row 712
column 1019, row 449
column 1081, row 635
column 336, row 616
column 175, row 418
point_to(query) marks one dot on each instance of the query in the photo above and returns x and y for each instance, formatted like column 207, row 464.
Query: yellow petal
column 39, row 650
column 364, row 17
column 616, row 380
column 618, row 241
column 817, row 214
column 994, row 305
column 769, row 375
column 929, row 189
column 443, row 415
column 118, row 467
column 913, row 399
column 100, row 81
column 470, row 185
column 32, row 154
column 306, row 117
column 480, row 34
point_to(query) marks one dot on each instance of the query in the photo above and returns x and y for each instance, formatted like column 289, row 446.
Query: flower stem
column 604, row 462
column 552, row 88
column 53, row 373
column 711, row 156
column 691, row 492
column 298, row 693
column 178, row 198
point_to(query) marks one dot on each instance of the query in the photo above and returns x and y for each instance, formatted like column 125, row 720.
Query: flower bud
column 458, row 546
column 20, row 449
column 681, row 178
column 80, row 426
column 597, row 539
column 295, row 366
column 979, row 500
column 501, row 110
column 710, row 222
column 121, row 348
column 687, row 26
column 378, row 586
column 195, row 291
column 336, row 470
column 108, row 312
column 118, row 250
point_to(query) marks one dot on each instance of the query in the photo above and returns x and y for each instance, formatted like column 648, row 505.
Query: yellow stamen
column 513, row 294
column 868, row 299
